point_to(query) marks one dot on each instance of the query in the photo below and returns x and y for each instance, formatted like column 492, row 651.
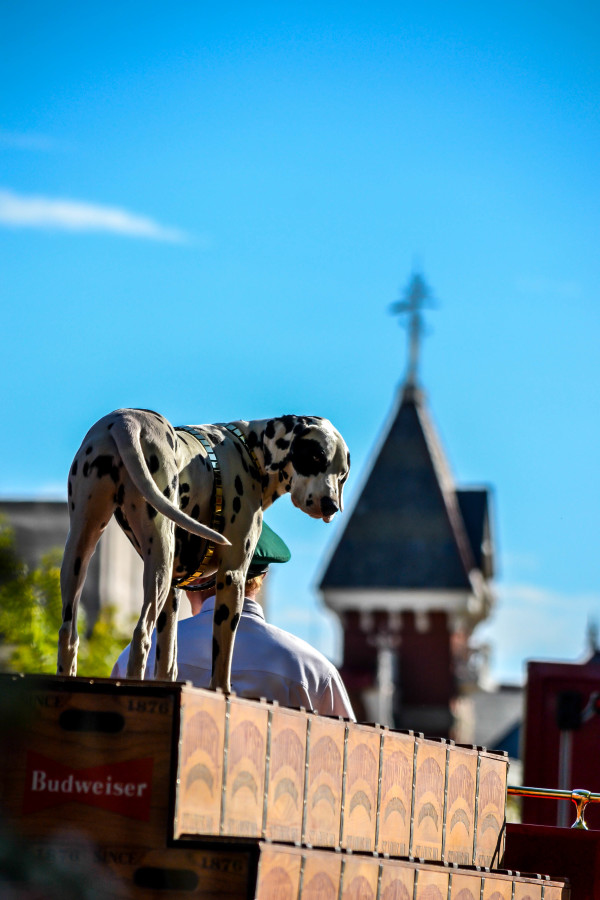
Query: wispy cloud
column 532, row 622
column 32, row 211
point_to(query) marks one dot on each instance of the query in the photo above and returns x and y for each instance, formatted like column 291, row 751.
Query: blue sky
column 207, row 210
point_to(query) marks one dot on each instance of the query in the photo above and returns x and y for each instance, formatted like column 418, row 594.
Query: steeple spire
column 411, row 305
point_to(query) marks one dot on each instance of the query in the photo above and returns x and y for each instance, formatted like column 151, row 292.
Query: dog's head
column 317, row 462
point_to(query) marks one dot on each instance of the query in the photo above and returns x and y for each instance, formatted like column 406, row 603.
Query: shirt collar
column 251, row 608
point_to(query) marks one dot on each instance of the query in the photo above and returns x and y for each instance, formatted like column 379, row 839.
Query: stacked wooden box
column 186, row 792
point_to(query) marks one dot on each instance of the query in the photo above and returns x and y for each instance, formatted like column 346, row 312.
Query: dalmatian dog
column 161, row 484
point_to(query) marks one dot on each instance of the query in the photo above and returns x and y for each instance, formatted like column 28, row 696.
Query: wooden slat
column 285, row 789
column 247, row 732
column 324, row 788
column 497, row 887
column 528, row 890
column 431, row 884
column 359, row 881
column 397, row 880
column 491, row 806
column 428, row 814
column 200, row 772
column 321, row 875
column 460, row 805
column 360, row 787
column 395, row 806
column 465, row 886
column 278, row 873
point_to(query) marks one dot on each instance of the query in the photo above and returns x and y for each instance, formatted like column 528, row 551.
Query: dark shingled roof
column 410, row 529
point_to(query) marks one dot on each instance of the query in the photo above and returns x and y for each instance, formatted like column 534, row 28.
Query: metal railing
column 580, row 798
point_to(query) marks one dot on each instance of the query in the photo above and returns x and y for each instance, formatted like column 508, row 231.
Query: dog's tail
column 130, row 449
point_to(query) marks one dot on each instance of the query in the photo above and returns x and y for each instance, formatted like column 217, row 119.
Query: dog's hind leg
column 83, row 536
column 165, row 665
column 158, row 574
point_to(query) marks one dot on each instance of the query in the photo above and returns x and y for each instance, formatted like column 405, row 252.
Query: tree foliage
column 31, row 614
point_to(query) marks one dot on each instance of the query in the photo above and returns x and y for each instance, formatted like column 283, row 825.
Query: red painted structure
column 549, row 685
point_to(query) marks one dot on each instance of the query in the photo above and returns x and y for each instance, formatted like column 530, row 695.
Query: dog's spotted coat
column 158, row 483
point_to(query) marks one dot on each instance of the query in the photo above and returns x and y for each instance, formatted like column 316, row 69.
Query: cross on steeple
column 412, row 305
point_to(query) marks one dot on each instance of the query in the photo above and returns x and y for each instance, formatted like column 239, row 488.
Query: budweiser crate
column 396, row 790
column 360, row 789
column 490, row 808
column 324, row 778
column 91, row 753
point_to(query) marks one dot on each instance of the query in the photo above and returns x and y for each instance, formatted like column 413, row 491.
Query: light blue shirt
column 267, row 662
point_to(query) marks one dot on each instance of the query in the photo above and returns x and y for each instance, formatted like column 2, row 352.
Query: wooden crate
column 395, row 796
column 360, row 790
column 325, row 770
column 490, row 808
column 91, row 753
column 459, row 816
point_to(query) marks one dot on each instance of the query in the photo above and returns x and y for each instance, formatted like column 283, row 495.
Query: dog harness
column 217, row 520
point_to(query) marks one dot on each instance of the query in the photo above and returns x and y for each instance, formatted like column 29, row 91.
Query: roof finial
column 412, row 305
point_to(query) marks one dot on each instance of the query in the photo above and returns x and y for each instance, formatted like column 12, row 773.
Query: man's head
column 269, row 549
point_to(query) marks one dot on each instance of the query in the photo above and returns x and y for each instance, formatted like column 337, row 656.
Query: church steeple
column 410, row 310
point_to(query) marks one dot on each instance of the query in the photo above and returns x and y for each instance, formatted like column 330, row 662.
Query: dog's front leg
column 229, row 603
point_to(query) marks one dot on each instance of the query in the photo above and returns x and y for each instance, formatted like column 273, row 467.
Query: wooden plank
column 465, row 886
column 200, row 763
column 497, row 887
column 395, row 806
column 360, row 787
column 182, row 873
column 491, row 805
column 321, row 877
column 460, row 805
column 527, row 890
column 431, row 884
column 278, row 873
column 360, row 877
column 287, row 766
column 325, row 775
column 129, row 872
column 246, row 754
column 397, row 880
column 430, row 781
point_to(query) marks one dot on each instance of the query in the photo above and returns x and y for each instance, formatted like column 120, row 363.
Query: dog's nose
column 328, row 506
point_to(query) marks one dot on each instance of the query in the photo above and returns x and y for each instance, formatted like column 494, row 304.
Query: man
column 267, row 661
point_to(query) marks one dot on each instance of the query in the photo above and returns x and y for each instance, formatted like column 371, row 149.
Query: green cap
column 270, row 549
